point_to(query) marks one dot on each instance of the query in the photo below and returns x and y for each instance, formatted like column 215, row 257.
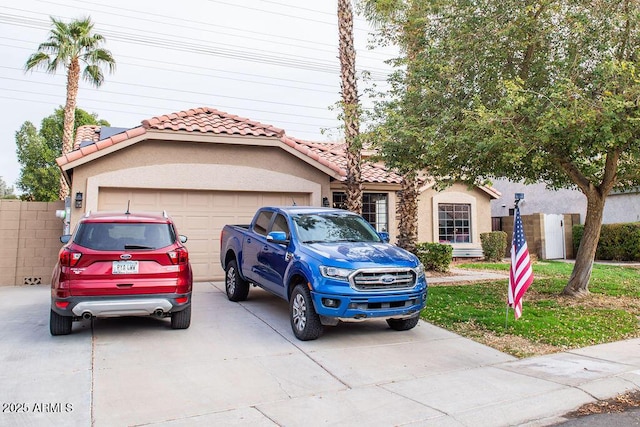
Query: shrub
column 435, row 256
column 494, row 245
column 577, row 231
column 618, row 242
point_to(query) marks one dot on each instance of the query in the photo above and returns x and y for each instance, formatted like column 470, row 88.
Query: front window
column 333, row 227
column 374, row 208
column 454, row 223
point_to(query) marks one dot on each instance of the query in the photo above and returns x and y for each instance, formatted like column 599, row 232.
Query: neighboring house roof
column 92, row 139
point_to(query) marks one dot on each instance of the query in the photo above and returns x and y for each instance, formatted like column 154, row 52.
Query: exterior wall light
column 78, row 199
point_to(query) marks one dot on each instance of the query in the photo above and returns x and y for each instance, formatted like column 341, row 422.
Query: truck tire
column 59, row 325
column 181, row 319
column 403, row 324
column 305, row 322
column 237, row 288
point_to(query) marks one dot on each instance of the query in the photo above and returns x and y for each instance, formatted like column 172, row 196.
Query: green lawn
column 549, row 322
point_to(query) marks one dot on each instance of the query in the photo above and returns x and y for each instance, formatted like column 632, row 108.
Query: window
column 454, row 223
column 120, row 235
column 333, row 227
column 280, row 224
column 374, row 208
column 262, row 222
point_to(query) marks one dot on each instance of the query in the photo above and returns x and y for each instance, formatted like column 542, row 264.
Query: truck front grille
column 380, row 280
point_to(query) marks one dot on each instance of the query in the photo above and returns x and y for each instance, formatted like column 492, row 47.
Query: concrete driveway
column 239, row 364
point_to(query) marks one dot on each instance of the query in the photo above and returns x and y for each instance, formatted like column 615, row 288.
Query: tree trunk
column 408, row 213
column 579, row 281
column 350, row 106
column 73, row 78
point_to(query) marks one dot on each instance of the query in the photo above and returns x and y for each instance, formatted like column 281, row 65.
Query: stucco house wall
column 197, row 166
column 478, row 199
column 619, row 207
column 537, row 199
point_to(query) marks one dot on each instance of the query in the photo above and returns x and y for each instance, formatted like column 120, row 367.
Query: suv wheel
column 403, row 324
column 59, row 325
column 237, row 288
column 305, row 322
column 181, row 319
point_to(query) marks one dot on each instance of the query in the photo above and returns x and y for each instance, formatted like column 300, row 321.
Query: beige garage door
column 199, row 215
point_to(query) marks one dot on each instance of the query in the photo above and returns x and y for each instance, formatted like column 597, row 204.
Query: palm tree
column 69, row 45
column 350, row 106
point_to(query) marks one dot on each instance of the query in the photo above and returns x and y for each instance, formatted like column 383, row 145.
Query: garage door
column 199, row 215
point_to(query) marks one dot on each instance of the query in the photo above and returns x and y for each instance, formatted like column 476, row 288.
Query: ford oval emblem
column 125, row 256
column 388, row 279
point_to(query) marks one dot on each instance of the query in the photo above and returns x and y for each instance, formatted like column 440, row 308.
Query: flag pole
column 506, row 316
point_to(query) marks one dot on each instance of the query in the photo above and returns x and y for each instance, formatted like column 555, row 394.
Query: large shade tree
column 37, row 151
column 539, row 91
column 402, row 24
column 75, row 48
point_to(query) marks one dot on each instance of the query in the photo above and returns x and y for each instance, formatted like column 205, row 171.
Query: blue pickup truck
column 329, row 264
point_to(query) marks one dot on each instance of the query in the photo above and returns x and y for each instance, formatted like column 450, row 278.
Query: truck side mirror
column 384, row 236
column 279, row 237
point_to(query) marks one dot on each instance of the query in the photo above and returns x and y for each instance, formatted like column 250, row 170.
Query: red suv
column 121, row 265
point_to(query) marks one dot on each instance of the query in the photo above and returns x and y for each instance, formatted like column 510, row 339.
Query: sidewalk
column 239, row 364
column 460, row 275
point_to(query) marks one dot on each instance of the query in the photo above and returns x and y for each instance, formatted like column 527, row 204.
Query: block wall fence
column 30, row 234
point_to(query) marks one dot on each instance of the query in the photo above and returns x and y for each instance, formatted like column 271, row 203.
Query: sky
column 275, row 62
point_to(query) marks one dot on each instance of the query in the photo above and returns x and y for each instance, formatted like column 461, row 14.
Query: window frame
column 459, row 222
column 378, row 220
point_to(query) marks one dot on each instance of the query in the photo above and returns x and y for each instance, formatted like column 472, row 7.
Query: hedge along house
column 208, row 168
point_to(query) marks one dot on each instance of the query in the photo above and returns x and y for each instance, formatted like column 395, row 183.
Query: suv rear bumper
column 115, row 306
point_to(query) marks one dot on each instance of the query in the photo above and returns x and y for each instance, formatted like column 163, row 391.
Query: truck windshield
column 334, row 227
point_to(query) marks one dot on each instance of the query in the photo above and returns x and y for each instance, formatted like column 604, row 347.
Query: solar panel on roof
column 106, row 132
column 85, row 143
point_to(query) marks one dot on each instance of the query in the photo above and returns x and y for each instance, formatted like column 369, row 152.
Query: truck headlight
column 420, row 271
column 335, row 272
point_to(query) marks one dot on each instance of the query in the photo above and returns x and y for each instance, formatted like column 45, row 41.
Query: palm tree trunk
column 350, row 106
column 73, row 79
column 408, row 212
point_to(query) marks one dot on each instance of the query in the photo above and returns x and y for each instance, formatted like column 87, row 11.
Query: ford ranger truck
column 329, row 264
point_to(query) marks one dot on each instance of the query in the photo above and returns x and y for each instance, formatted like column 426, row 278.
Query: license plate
column 124, row 267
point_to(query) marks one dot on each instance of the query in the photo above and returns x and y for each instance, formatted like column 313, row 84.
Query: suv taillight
column 178, row 256
column 69, row 258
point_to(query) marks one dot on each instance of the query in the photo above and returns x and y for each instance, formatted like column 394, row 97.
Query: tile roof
column 334, row 154
column 209, row 120
column 87, row 133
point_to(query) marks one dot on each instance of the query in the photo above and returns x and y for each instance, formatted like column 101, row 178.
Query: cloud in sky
column 275, row 62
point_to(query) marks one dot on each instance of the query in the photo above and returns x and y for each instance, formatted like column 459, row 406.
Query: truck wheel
column 237, row 288
column 59, row 325
column 181, row 319
column 403, row 324
column 305, row 322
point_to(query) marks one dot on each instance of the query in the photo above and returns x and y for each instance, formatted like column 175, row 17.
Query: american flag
column 520, row 273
